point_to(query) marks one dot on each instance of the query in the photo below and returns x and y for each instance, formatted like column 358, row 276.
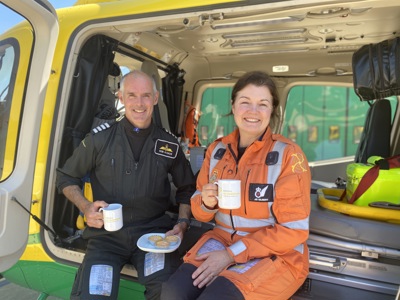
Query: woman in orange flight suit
column 259, row 250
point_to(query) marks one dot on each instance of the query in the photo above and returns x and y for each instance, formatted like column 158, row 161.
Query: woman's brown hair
column 259, row 78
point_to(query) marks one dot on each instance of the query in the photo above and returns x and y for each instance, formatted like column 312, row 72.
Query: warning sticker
column 100, row 281
column 153, row 262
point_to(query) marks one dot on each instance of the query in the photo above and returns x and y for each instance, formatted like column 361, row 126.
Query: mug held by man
column 112, row 217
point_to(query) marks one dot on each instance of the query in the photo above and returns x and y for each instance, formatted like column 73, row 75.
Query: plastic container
column 386, row 187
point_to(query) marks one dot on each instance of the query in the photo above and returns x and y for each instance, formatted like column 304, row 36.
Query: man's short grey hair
column 136, row 74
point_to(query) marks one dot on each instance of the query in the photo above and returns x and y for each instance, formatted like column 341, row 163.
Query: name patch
column 261, row 192
column 165, row 148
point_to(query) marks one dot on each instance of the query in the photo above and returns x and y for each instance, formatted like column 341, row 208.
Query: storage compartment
column 350, row 257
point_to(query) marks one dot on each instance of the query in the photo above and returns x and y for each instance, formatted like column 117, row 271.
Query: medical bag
column 376, row 183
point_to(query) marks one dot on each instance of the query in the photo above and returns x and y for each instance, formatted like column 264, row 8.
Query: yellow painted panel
column 35, row 252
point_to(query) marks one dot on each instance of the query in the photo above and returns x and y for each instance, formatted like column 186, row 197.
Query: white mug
column 112, row 217
column 228, row 193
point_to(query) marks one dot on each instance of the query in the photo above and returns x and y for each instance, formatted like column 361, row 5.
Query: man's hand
column 179, row 230
column 213, row 264
column 94, row 218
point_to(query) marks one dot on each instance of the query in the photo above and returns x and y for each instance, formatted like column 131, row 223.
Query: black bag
column 376, row 70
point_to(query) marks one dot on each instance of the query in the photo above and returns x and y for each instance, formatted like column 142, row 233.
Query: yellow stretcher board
column 330, row 199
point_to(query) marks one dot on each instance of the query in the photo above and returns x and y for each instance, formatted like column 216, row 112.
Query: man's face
column 139, row 99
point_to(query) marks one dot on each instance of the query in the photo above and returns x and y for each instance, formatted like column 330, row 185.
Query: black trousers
column 107, row 252
column 180, row 287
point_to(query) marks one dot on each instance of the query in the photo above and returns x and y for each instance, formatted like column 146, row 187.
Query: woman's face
column 252, row 110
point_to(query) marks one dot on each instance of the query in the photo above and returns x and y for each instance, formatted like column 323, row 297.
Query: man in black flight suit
column 128, row 163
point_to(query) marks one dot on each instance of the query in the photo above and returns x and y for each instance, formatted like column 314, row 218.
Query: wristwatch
column 184, row 220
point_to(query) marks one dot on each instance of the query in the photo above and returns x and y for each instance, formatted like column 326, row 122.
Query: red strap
column 370, row 176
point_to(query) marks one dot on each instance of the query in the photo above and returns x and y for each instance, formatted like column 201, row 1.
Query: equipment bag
column 376, row 70
column 375, row 183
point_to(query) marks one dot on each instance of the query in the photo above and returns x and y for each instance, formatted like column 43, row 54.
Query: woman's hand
column 214, row 263
column 209, row 195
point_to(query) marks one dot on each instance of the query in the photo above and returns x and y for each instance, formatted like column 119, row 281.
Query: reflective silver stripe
column 203, row 207
column 238, row 248
column 243, row 222
column 230, row 231
column 213, row 161
column 299, row 248
column 275, row 170
column 300, row 224
column 197, row 192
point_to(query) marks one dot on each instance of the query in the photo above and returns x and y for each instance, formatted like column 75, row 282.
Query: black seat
column 375, row 139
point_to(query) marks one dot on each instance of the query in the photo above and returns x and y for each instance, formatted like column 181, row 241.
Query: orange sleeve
column 199, row 211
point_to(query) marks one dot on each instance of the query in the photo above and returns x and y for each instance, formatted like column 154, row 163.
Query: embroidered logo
column 166, row 149
column 261, row 192
column 298, row 163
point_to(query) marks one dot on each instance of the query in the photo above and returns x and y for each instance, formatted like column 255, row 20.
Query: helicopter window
column 8, row 62
column 326, row 121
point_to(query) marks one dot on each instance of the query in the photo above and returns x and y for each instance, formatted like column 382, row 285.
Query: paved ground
column 11, row 291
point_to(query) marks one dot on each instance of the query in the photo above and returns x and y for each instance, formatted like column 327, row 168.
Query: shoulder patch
column 102, row 127
column 166, row 148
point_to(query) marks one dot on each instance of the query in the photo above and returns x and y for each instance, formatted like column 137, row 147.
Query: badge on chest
column 165, row 148
column 261, row 192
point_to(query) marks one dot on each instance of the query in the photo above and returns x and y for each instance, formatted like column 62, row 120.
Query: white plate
column 144, row 244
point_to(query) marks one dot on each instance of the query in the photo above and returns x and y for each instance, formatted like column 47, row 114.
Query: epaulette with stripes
column 103, row 127
column 169, row 132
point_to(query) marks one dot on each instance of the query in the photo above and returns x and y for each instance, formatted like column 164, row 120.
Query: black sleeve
column 183, row 178
column 78, row 165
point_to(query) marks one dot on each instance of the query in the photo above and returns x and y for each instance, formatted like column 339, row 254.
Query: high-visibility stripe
column 275, row 170
column 299, row 248
column 213, row 161
column 237, row 248
column 197, row 192
column 234, row 248
column 240, row 222
column 231, row 231
column 299, row 224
